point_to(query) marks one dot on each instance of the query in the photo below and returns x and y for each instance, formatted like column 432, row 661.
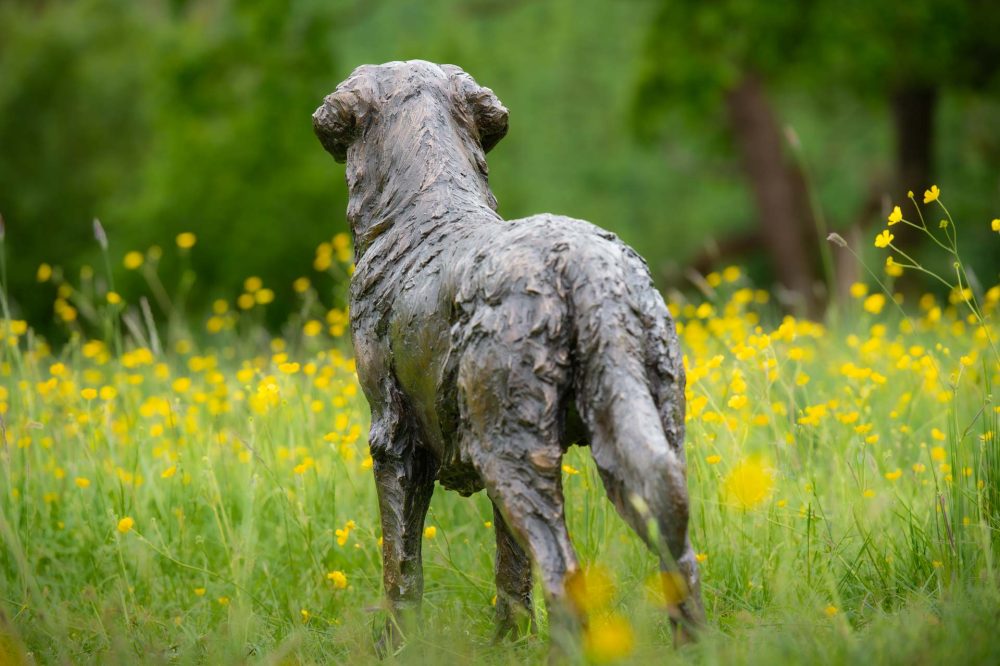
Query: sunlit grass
column 208, row 496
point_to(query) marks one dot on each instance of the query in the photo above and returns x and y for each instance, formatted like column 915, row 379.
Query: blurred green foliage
column 194, row 115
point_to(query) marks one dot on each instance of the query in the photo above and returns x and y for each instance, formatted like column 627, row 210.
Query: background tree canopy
column 662, row 120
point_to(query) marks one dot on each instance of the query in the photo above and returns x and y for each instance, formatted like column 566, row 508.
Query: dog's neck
column 421, row 167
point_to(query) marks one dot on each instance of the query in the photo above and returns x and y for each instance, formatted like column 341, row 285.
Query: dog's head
column 376, row 92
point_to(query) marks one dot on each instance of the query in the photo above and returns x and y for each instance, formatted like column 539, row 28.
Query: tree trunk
column 913, row 111
column 779, row 193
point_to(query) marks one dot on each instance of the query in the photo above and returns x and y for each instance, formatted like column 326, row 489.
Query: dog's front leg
column 404, row 477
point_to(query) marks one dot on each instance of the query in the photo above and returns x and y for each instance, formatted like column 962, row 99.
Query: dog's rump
column 559, row 294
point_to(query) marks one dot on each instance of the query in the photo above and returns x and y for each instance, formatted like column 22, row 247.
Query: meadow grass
column 208, row 498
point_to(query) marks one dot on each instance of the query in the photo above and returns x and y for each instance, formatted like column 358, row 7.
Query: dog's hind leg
column 513, row 578
column 404, row 479
column 525, row 486
column 510, row 388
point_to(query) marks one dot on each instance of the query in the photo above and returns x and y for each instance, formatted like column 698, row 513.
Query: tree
column 730, row 53
column 711, row 55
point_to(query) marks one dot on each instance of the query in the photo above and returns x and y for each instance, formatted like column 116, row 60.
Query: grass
column 208, row 498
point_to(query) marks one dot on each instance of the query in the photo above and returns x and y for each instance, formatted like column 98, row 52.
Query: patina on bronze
column 487, row 346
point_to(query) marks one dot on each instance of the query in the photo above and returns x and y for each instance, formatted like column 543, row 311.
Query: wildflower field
column 200, row 492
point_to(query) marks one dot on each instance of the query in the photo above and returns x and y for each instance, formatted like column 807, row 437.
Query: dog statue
column 487, row 346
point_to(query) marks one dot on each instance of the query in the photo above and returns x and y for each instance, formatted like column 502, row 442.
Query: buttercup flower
column 133, row 260
column 884, row 238
column 186, row 240
column 338, row 579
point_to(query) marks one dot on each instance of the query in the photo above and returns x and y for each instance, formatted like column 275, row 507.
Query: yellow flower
column 931, row 194
column 44, row 273
column 831, row 610
column 305, row 615
column 345, row 533
column 312, row 328
column 133, row 260
column 264, row 296
column 892, row 269
column 125, row 524
column 186, row 240
column 892, row 476
column 569, row 469
column 895, row 216
column 253, row 284
column 750, row 483
column 338, row 578
column 65, row 311
column 89, row 393
column 223, row 601
column 859, row 290
column 995, row 225
column 874, row 303
column 713, row 460
column 169, row 472
column 884, row 238
column 938, row 454
column 301, row 285
column 701, row 557
column 590, row 589
column 199, row 591
column 341, row 241
column 737, row 401
column 608, row 638
column 114, row 298
column 430, row 532
column 81, row 482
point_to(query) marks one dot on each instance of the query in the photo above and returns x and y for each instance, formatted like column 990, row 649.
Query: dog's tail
column 629, row 391
column 629, row 388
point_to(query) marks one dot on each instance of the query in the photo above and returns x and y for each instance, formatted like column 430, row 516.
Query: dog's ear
column 339, row 120
column 489, row 114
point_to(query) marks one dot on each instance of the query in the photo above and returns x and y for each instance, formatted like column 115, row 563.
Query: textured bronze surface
column 486, row 346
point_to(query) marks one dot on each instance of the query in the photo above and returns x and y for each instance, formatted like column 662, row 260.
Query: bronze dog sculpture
column 486, row 346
